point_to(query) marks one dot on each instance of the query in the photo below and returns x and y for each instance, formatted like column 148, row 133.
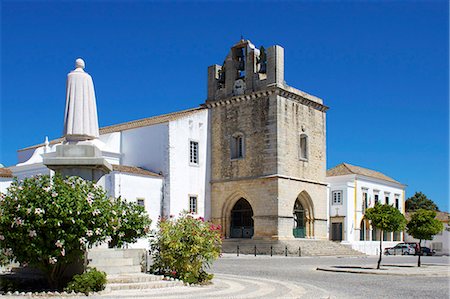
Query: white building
column 352, row 190
column 159, row 162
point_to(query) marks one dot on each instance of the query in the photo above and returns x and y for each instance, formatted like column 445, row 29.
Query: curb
column 382, row 273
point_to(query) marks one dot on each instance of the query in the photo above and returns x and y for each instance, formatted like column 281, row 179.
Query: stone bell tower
column 267, row 149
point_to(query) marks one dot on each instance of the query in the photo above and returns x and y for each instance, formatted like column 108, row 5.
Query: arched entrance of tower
column 241, row 220
column 303, row 213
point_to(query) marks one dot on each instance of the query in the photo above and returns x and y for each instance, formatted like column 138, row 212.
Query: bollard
column 255, row 250
column 285, row 251
column 271, row 250
column 299, row 251
column 237, row 250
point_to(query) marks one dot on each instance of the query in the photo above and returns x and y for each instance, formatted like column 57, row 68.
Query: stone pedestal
column 83, row 160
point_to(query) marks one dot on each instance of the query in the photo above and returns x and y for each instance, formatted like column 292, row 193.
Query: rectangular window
column 140, row 202
column 364, row 203
column 337, row 197
column 237, row 147
column 386, row 199
column 303, row 147
column 193, row 204
column 397, row 202
column 376, row 198
column 193, row 157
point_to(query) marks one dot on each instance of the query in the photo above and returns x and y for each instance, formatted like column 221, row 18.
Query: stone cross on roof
column 80, row 119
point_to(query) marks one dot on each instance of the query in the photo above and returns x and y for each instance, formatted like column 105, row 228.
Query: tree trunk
column 420, row 252
column 381, row 249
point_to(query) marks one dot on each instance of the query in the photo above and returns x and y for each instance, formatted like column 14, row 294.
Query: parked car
column 427, row 251
column 400, row 249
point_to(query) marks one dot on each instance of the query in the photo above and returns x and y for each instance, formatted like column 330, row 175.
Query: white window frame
column 303, row 153
column 194, row 157
column 387, row 198
column 334, row 201
column 375, row 195
column 140, row 199
column 193, row 204
column 397, row 201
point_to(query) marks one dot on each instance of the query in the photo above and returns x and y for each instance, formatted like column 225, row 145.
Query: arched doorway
column 303, row 216
column 241, row 220
column 364, row 230
column 299, row 220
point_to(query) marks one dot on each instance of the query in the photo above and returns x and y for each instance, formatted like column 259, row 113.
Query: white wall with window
column 142, row 189
column 359, row 193
column 189, row 163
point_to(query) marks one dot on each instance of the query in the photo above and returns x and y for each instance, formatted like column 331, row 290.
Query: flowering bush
column 183, row 247
column 48, row 222
column 129, row 221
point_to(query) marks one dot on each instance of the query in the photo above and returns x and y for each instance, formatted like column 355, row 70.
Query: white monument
column 80, row 119
column 79, row 154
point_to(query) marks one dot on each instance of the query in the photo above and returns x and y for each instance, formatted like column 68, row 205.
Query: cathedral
column 252, row 158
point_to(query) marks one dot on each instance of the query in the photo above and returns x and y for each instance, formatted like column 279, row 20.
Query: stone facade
column 248, row 97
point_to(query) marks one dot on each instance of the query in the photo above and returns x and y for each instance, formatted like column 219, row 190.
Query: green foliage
column 424, row 225
column 184, row 247
column 91, row 281
column 48, row 223
column 420, row 201
column 129, row 222
column 386, row 218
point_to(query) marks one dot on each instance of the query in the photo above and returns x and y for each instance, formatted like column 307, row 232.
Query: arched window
column 237, row 146
column 303, row 148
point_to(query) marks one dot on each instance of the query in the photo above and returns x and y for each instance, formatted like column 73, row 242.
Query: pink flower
column 63, row 252
column 32, row 233
column 39, row 211
column 2, row 237
column 89, row 233
column 52, row 260
column 59, row 244
column 54, row 194
column 201, row 219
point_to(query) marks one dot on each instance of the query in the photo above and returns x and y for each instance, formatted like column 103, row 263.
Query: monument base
column 83, row 160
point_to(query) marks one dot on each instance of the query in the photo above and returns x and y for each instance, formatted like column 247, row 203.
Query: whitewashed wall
column 146, row 147
column 131, row 187
column 184, row 178
column 29, row 170
column 442, row 238
column 4, row 184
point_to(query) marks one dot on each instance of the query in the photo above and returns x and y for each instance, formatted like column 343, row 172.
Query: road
column 317, row 284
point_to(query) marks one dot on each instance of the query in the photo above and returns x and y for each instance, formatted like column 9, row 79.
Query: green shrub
column 48, row 222
column 184, row 247
column 91, row 281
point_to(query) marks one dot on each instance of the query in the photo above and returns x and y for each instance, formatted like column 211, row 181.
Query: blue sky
column 382, row 68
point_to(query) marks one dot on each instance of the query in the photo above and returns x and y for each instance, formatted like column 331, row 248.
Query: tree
column 183, row 247
column 423, row 226
column 48, row 223
column 386, row 218
column 420, row 201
